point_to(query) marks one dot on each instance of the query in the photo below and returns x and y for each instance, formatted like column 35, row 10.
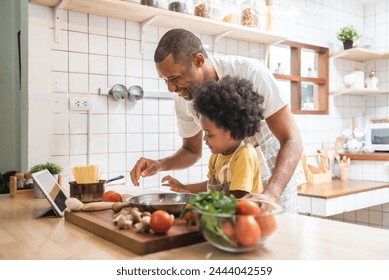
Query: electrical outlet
column 79, row 104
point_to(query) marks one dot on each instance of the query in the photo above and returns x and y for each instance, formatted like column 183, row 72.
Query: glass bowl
column 240, row 233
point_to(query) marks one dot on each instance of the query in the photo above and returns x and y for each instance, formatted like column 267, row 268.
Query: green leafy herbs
column 52, row 167
column 206, row 204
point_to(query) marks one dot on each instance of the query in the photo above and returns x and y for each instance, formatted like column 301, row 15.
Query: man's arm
column 187, row 155
column 284, row 128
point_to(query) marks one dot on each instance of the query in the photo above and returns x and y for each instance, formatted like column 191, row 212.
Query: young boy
column 229, row 111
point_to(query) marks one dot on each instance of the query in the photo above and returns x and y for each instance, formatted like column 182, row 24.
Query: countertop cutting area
column 23, row 237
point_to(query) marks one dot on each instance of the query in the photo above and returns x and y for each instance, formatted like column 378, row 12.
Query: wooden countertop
column 298, row 237
column 337, row 188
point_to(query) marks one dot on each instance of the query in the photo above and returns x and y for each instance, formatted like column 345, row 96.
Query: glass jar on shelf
column 230, row 11
column 249, row 13
column 216, row 10
column 177, row 6
column 150, row 3
column 201, row 8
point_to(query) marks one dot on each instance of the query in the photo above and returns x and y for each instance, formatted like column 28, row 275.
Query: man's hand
column 144, row 167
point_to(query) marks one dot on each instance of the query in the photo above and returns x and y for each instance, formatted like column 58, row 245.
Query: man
column 184, row 64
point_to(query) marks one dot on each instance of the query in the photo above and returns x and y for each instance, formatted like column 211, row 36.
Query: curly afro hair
column 231, row 103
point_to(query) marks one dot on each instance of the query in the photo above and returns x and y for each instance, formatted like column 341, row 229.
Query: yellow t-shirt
column 244, row 168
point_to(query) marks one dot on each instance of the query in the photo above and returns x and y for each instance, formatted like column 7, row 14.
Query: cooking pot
column 173, row 203
column 90, row 192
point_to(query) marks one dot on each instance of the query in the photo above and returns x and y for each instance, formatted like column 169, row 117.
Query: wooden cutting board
column 101, row 224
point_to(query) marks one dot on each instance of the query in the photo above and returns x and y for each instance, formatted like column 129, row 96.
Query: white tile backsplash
column 97, row 82
column 78, row 62
column 116, row 162
column 59, row 81
column 78, row 83
column 78, row 123
column 99, row 124
column 78, row 42
column 59, row 61
column 78, row 21
column 99, row 143
column 132, row 30
column 116, row 28
column 133, row 49
column 78, row 144
column 134, row 67
column 116, row 46
column 61, row 124
column 98, row 64
column 117, row 143
column 116, row 66
column 98, row 25
column 150, row 142
column 116, row 124
column 150, row 124
column 98, row 44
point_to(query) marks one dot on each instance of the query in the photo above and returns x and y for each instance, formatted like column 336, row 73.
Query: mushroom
column 123, row 222
column 136, row 214
column 143, row 225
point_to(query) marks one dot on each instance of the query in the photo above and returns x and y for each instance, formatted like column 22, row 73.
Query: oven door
column 378, row 136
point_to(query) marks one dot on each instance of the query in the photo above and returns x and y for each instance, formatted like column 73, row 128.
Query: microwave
column 377, row 135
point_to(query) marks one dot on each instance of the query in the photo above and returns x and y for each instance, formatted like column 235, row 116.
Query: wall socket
column 79, row 104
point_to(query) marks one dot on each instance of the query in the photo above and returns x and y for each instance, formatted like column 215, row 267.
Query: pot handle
column 115, row 178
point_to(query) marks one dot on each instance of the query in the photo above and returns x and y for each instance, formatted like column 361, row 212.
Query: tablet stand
column 49, row 212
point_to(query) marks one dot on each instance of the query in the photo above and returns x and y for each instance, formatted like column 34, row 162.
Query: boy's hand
column 174, row 184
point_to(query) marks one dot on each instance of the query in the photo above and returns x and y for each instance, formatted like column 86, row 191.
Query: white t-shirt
column 256, row 72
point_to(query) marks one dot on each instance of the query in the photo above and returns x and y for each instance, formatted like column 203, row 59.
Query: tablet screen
column 51, row 189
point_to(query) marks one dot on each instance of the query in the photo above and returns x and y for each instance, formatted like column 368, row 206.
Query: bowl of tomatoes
column 234, row 225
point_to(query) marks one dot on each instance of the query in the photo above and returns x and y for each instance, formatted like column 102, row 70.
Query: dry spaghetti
column 86, row 174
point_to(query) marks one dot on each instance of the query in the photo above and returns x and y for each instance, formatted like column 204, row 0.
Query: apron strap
column 220, row 175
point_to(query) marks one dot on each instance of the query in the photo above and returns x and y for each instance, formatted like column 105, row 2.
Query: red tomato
column 247, row 207
column 190, row 217
column 161, row 221
column 228, row 229
column 247, row 231
column 112, row 196
column 267, row 223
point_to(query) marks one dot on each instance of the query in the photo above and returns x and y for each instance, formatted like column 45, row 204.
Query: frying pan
column 173, row 203
column 90, row 192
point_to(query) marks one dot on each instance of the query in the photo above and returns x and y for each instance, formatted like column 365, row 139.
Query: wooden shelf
column 140, row 13
column 359, row 92
column 364, row 156
column 360, row 54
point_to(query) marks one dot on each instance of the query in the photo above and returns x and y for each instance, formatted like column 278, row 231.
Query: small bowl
column 240, row 233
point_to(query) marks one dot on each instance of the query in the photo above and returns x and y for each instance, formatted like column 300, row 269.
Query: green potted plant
column 348, row 34
column 53, row 168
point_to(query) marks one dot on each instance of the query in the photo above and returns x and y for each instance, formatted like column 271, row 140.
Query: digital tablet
column 53, row 192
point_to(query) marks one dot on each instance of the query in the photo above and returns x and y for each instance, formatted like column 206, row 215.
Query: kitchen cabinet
column 165, row 18
column 336, row 197
column 364, row 56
